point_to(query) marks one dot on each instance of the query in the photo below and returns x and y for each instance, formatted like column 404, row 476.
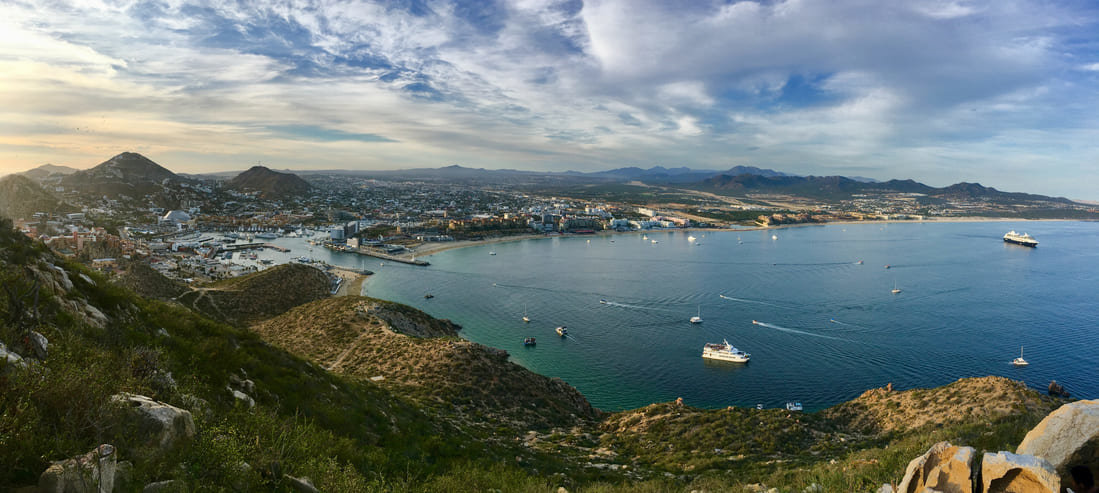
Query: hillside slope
column 20, row 198
column 422, row 357
column 270, row 183
column 259, row 295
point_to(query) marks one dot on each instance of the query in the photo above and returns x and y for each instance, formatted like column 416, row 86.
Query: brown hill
column 20, row 197
column 269, row 183
column 254, row 297
column 48, row 171
column 423, row 357
column 147, row 282
column 985, row 398
column 128, row 174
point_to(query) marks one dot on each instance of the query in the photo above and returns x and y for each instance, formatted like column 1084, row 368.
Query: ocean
column 828, row 327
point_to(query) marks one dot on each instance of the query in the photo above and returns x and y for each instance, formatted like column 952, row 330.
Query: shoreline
column 352, row 284
column 427, row 249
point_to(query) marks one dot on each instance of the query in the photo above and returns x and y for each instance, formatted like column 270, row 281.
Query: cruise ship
column 1020, row 239
column 724, row 352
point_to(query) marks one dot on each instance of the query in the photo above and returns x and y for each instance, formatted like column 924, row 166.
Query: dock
column 245, row 246
column 377, row 254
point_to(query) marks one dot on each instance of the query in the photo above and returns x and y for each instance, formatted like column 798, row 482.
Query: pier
column 377, row 254
column 245, row 246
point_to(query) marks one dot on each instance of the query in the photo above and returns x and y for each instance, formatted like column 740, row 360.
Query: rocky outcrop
column 1005, row 472
column 155, row 426
column 9, row 359
column 945, row 467
column 93, row 472
column 1066, row 437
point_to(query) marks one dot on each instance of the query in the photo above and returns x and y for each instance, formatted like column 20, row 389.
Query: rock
column 1005, row 472
column 93, row 472
column 944, row 467
column 155, row 424
column 561, row 489
column 886, row 488
column 65, row 281
column 813, row 488
column 1064, row 434
column 169, row 486
column 87, row 279
column 242, row 398
column 39, row 345
column 10, row 359
column 303, row 485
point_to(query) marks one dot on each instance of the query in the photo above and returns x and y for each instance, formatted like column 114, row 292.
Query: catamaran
column 1020, row 361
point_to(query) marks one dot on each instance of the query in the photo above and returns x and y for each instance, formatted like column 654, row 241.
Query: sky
column 1001, row 92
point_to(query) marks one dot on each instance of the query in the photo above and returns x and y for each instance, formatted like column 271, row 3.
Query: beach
column 352, row 283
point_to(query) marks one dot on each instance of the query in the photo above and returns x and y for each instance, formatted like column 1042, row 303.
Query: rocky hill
column 20, row 198
column 129, row 174
column 423, row 357
column 260, row 295
column 269, row 183
column 51, row 172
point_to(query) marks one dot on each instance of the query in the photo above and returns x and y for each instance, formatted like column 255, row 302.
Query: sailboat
column 525, row 317
column 1019, row 361
column 895, row 288
column 697, row 319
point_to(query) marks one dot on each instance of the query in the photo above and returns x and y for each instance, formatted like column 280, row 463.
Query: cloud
column 808, row 86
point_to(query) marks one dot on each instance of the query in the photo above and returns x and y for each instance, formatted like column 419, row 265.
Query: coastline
column 352, row 284
column 427, row 249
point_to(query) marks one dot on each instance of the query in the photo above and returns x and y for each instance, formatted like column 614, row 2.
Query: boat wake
column 742, row 300
column 796, row 331
column 637, row 307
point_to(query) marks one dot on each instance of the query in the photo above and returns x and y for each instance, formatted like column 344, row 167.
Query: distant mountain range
column 839, row 187
column 269, row 183
column 660, row 174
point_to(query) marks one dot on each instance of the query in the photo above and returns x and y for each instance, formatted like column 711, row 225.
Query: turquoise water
column 829, row 327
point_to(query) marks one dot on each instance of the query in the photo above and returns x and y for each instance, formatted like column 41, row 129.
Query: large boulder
column 93, row 472
column 10, row 358
column 945, row 467
column 1067, row 437
column 154, row 425
column 1005, row 472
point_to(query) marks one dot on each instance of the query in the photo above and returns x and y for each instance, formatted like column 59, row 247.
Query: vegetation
column 448, row 415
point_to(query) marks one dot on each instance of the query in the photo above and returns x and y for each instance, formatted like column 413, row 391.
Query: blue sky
column 1005, row 93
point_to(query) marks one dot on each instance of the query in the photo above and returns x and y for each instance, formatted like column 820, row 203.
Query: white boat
column 1020, row 361
column 525, row 317
column 1020, row 239
column 603, row 301
column 774, row 237
column 562, row 331
column 793, row 406
column 698, row 318
column 691, row 238
column 492, row 253
column 895, row 288
column 267, row 236
column 724, row 352
column 655, row 242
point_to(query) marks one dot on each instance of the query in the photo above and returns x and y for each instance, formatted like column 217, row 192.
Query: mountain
column 129, row 174
column 842, row 188
column 21, row 197
column 48, row 171
column 269, row 183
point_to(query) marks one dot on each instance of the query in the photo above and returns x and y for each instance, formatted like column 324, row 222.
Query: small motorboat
column 492, row 253
column 428, row 296
column 755, row 322
column 603, row 302
column 529, row 341
column 562, row 331
column 859, row 262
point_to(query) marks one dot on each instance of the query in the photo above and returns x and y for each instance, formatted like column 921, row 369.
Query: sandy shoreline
column 352, row 284
column 426, row 249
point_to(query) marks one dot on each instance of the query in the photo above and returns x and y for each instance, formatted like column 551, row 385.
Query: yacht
column 1020, row 361
column 267, row 236
column 525, row 317
column 793, row 406
column 1020, row 239
column 895, row 288
column 697, row 319
column 724, row 352
column 562, row 331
